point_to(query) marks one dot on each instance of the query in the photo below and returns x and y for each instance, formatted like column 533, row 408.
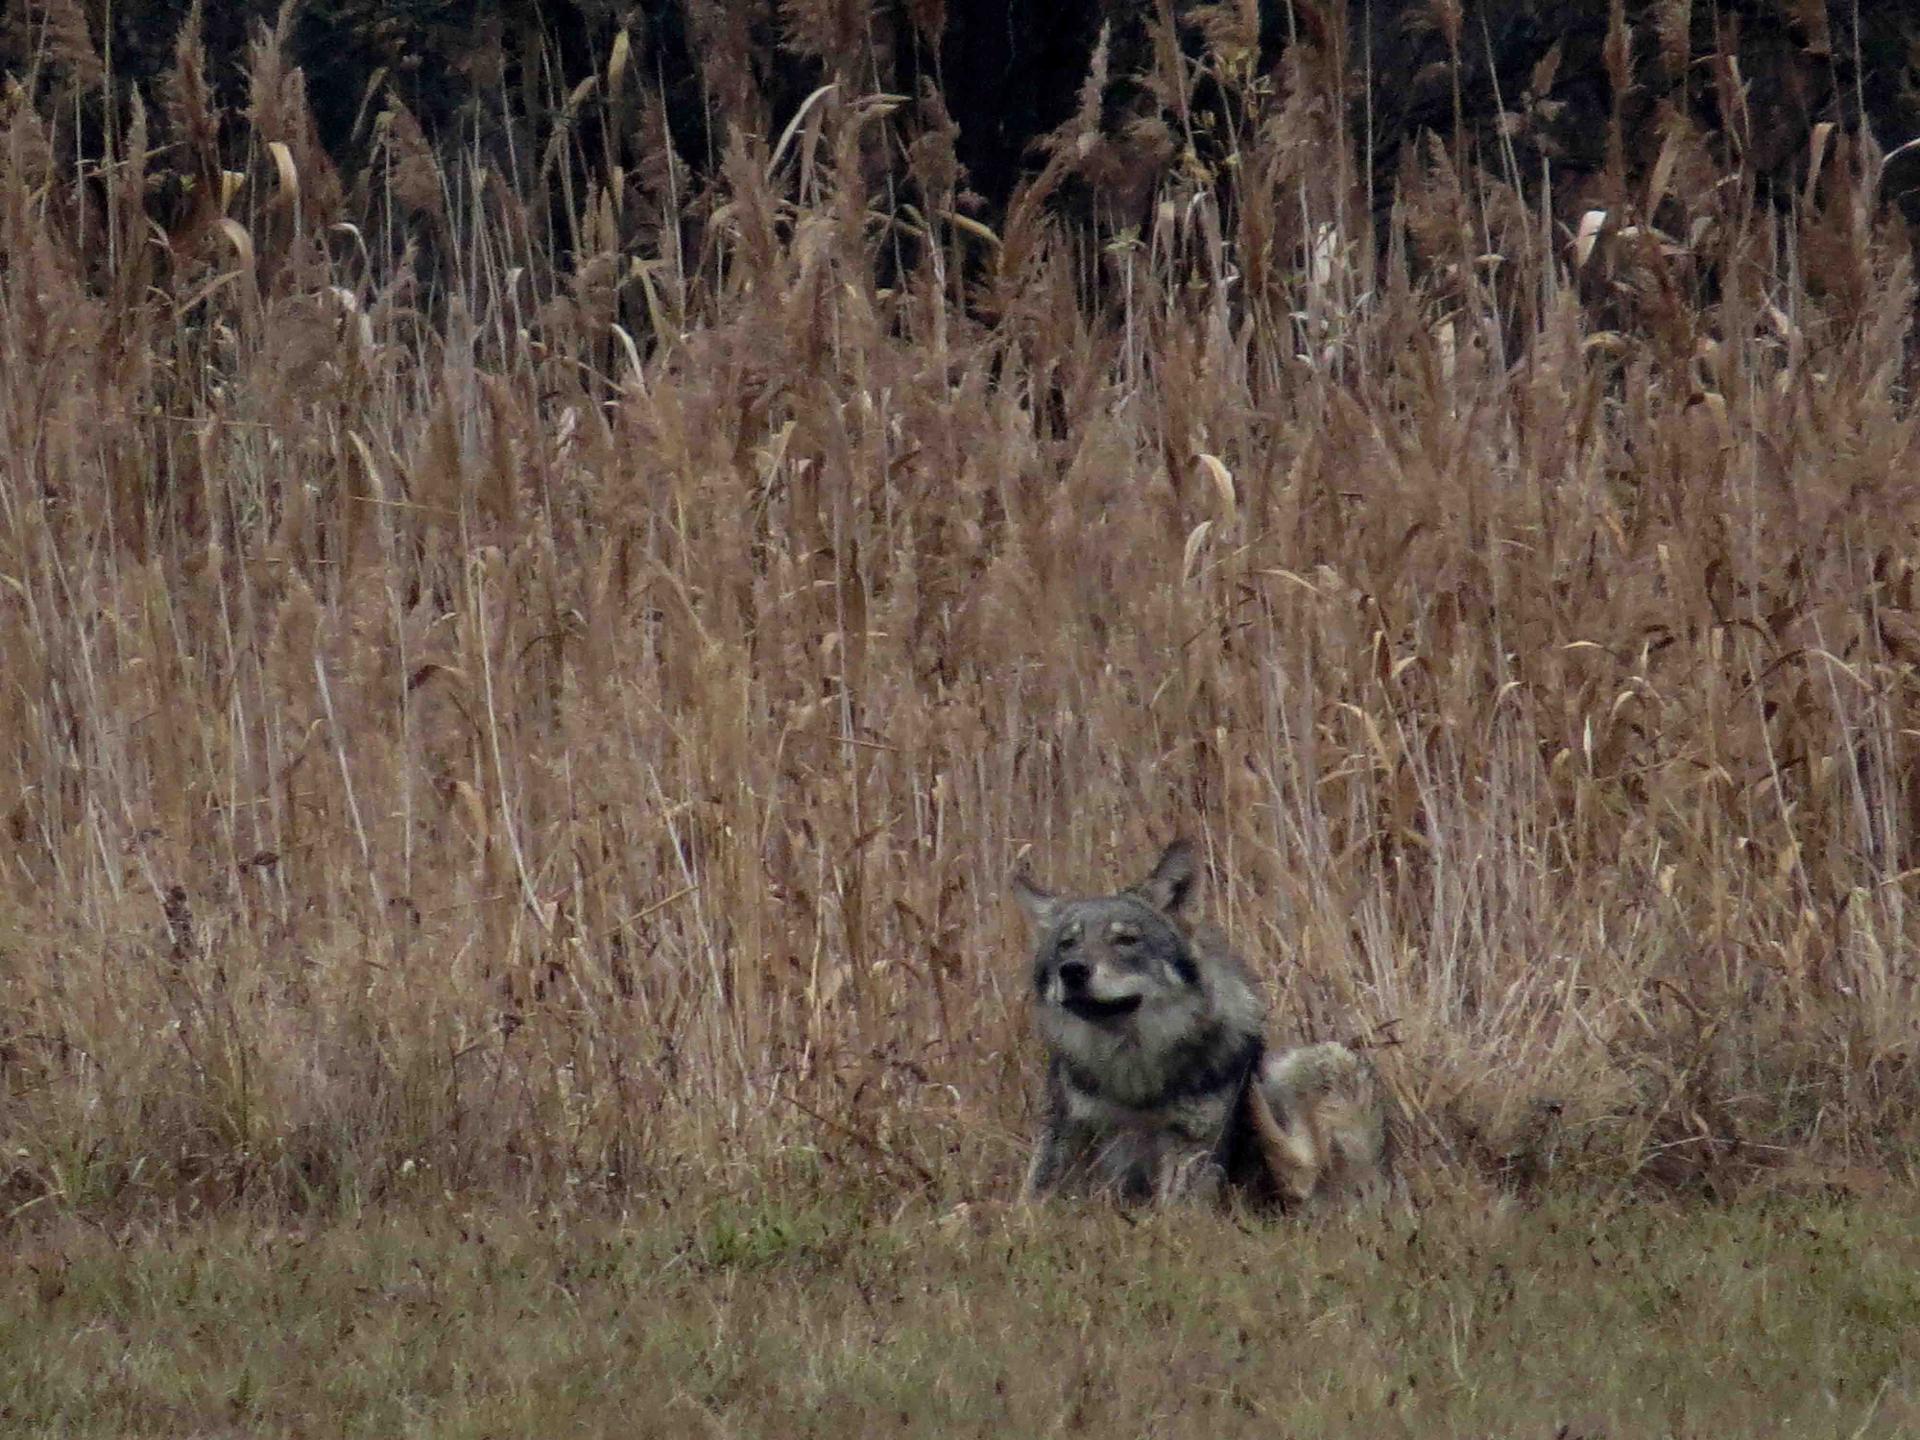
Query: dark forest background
column 1529, row 87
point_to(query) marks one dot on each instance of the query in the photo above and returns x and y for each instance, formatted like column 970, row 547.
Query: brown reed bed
column 531, row 669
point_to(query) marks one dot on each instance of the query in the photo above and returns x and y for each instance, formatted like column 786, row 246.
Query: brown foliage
column 451, row 722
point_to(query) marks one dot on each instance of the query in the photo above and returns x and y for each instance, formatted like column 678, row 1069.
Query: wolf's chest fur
column 1190, row 1138
column 1198, row 1119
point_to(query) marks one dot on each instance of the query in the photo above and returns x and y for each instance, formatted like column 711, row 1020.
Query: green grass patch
column 1459, row 1318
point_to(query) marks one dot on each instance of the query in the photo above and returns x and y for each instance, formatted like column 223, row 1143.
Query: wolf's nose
column 1075, row 974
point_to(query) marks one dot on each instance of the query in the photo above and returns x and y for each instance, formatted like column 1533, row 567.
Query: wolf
column 1160, row 1085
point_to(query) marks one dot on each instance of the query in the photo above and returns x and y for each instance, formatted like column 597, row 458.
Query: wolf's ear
column 1170, row 886
column 1038, row 903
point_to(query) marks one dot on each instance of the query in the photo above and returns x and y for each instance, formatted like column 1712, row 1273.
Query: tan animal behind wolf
column 1160, row 1084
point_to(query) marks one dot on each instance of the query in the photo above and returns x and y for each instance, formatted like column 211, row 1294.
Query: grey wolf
column 1160, row 1084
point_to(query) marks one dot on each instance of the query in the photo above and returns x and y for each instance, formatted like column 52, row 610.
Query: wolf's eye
column 1067, row 941
column 1123, row 937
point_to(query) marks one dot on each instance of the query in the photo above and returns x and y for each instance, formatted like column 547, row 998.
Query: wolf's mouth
column 1100, row 1011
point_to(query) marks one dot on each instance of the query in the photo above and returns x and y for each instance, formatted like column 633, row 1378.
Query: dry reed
column 547, row 705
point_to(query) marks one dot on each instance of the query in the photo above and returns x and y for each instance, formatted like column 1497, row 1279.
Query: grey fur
column 1159, row 1085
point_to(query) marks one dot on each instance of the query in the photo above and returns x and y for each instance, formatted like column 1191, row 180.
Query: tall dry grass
column 542, row 697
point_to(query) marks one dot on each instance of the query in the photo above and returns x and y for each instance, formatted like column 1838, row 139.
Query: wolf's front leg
column 1049, row 1161
column 1188, row 1175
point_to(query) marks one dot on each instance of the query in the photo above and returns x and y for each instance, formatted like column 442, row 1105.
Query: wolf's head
column 1124, row 994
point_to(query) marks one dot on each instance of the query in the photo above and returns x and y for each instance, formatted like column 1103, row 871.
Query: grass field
column 1786, row 1318
column 526, row 671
